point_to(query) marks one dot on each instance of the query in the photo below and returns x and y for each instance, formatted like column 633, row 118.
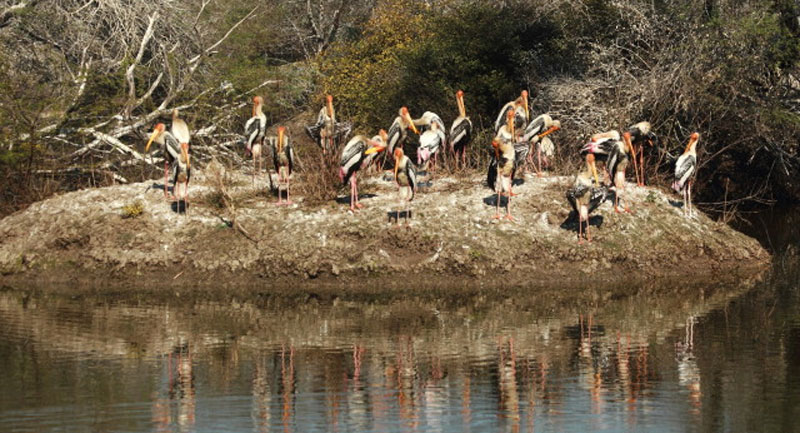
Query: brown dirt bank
column 80, row 239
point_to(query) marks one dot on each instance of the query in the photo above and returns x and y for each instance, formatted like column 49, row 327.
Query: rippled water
column 652, row 358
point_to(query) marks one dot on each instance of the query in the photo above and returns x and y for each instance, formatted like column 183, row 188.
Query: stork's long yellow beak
column 375, row 149
column 411, row 123
column 549, row 131
column 396, row 164
column 594, row 172
column 150, row 141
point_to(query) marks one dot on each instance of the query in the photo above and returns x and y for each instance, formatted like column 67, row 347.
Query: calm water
column 658, row 358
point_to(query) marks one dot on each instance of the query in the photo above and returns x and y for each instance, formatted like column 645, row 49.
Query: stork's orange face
column 329, row 98
column 407, row 116
column 281, row 133
column 157, row 131
column 525, row 102
column 692, row 140
column 460, row 94
column 257, row 101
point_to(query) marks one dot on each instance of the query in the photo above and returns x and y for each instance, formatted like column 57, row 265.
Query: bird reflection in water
column 507, row 372
column 287, row 387
column 688, row 371
column 261, row 395
column 179, row 393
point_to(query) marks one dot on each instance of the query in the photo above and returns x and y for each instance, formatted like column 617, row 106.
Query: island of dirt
column 129, row 237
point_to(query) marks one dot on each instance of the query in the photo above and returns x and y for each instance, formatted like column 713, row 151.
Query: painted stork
column 617, row 154
column 537, row 133
column 461, row 130
column 405, row 175
column 520, row 109
column 429, row 144
column 179, row 128
column 176, row 155
column 685, row 172
column 586, row 195
column 641, row 134
column 504, row 155
column 255, row 130
column 397, row 132
column 521, row 150
column 283, row 158
column 359, row 152
column 427, row 120
column 324, row 131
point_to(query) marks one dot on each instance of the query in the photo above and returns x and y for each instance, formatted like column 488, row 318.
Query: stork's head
column 329, row 99
column 384, row 136
column 257, row 101
column 460, row 100
column 407, row 118
column 281, row 134
column 524, row 96
column 693, row 139
column 155, row 136
column 174, row 114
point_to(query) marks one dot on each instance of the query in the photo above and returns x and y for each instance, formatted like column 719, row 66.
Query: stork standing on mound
column 255, row 130
column 177, row 156
column 358, row 153
column 586, row 195
column 326, row 130
column 283, row 158
column 460, row 131
column 405, row 175
column 537, row 133
column 397, row 134
column 430, row 142
column 507, row 133
column 617, row 154
column 685, row 172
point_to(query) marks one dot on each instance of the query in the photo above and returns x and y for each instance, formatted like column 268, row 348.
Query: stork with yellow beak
column 176, row 155
column 641, row 134
column 460, row 131
column 520, row 109
column 685, row 172
column 397, row 134
column 255, row 131
column 405, row 175
column 586, row 195
column 324, row 131
column 359, row 152
column 536, row 134
column 513, row 152
column 283, row 158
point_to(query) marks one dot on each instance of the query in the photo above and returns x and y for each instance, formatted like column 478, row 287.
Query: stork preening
column 685, row 172
column 520, row 148
column 430, row 142
column 641, row 134
column 255, row 130
column 176, row 156
column 586, row 195
column 283, row 158
column 617, row 154
column 327, row 130
column 460, row 131
column 397, row 134
column 521, row 112
column 405, row 175
column 537, row 133
column 358, row 153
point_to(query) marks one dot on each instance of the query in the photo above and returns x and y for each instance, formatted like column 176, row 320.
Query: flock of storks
column 517, row 140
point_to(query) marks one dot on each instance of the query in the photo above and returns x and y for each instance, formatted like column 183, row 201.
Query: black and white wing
column 597, row 197
column 172, row 149
column 352, row 156
column 491, row 174
column 289, row 155
column 273, row 145
column 395, row 136
column 460, row 133
column 684, row 169
column 254, row 130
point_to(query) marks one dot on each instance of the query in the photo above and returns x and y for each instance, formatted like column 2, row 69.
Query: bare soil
column 81, row 239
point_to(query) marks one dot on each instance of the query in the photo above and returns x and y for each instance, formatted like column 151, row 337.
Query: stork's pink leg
column 166, row 174
column 539, row 158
